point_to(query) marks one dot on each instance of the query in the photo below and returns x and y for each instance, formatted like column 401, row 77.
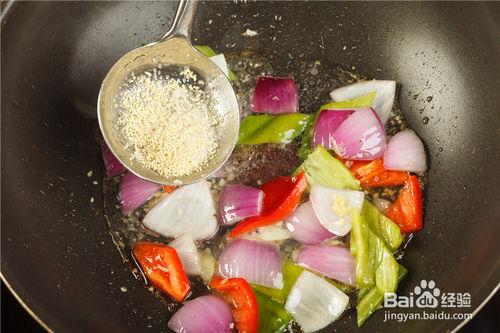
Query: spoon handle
column 183, row 21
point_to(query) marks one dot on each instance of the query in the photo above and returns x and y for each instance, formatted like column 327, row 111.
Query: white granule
column 170, row 124
column 249, row 33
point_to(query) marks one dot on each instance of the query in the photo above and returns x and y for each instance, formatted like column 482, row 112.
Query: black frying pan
column 57, row 254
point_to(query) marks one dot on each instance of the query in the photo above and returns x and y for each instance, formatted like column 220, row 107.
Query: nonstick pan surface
column 57, row 254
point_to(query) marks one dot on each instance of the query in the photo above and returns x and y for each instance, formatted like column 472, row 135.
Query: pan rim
column 45, row 326
column 25, row 306
column 32, row 310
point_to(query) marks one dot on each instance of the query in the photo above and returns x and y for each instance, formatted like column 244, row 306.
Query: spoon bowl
column 173, row 52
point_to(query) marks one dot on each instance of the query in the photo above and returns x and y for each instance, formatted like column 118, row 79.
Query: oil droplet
column 425, row 120
column 415, row 96
column 429, row 98
column 440, row 148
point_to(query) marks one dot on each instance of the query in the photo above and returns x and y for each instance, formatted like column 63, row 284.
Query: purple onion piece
column 255, row 261
column 238, row 202
column 335, row 262
column 203, row 314
column 360, row 137
column 275, row 95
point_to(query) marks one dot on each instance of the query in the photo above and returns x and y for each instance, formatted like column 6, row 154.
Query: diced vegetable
column 305, row 226
column 407, row 210
column 360, row 137
column 314, row 303
column 364, row 101
column 286, row 206
column 168, row 188
column 257, row 262
column 135, row 191
column 306, row 142
column 189, row 209
column 220, row 61
column 345, row 288
column 231, row 76
column 265, row 128
column 291, row 273
column 187, row 251
column 203, row 314
column 273, row 318
column 208, row 265
column 275, row 190
column 360, row 248
column 111, row 163
column 335, row 262
column 206, row 50
column 384, row 264
column 321, row 168
column 237, row 202
column 373, row 174
column 372, row 298
column 275, row 95
column 333, row 207
column 326, row 124
column 382, row 226
column 209, row 52
column 163, row 268
column 405, row 151
column 240, row 297
column 384, row 97
column 375, row 264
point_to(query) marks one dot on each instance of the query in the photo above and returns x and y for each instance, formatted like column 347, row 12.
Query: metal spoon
column 174, row 49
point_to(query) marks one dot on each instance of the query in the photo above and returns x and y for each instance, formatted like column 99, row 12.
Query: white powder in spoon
column 170, row 124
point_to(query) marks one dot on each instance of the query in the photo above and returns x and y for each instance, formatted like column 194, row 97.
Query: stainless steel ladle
column 173, row 50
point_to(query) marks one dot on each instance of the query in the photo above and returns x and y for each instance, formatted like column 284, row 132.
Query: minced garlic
column 170, row 123
column 340, row 205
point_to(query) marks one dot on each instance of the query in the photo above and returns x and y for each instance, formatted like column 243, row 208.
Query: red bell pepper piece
column 240, row 296
column 276, row 210
column 168, row 188
column 373, row 173
column 274, row 191
column 163, row 268
column 407, row 210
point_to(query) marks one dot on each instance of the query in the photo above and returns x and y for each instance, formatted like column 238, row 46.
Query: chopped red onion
column 111, row 163
column 328, row 121
column 237, row 202
column 335, row 262
column 333, row 207
column 187, row 251
column 315, row 303
column 189, row 209
column 203, row 314
column 255, row 261
column 275, row 95
column 405, row 152
column 305, row 227
column 384, row 98
column 360, row 137
column 135, row 191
